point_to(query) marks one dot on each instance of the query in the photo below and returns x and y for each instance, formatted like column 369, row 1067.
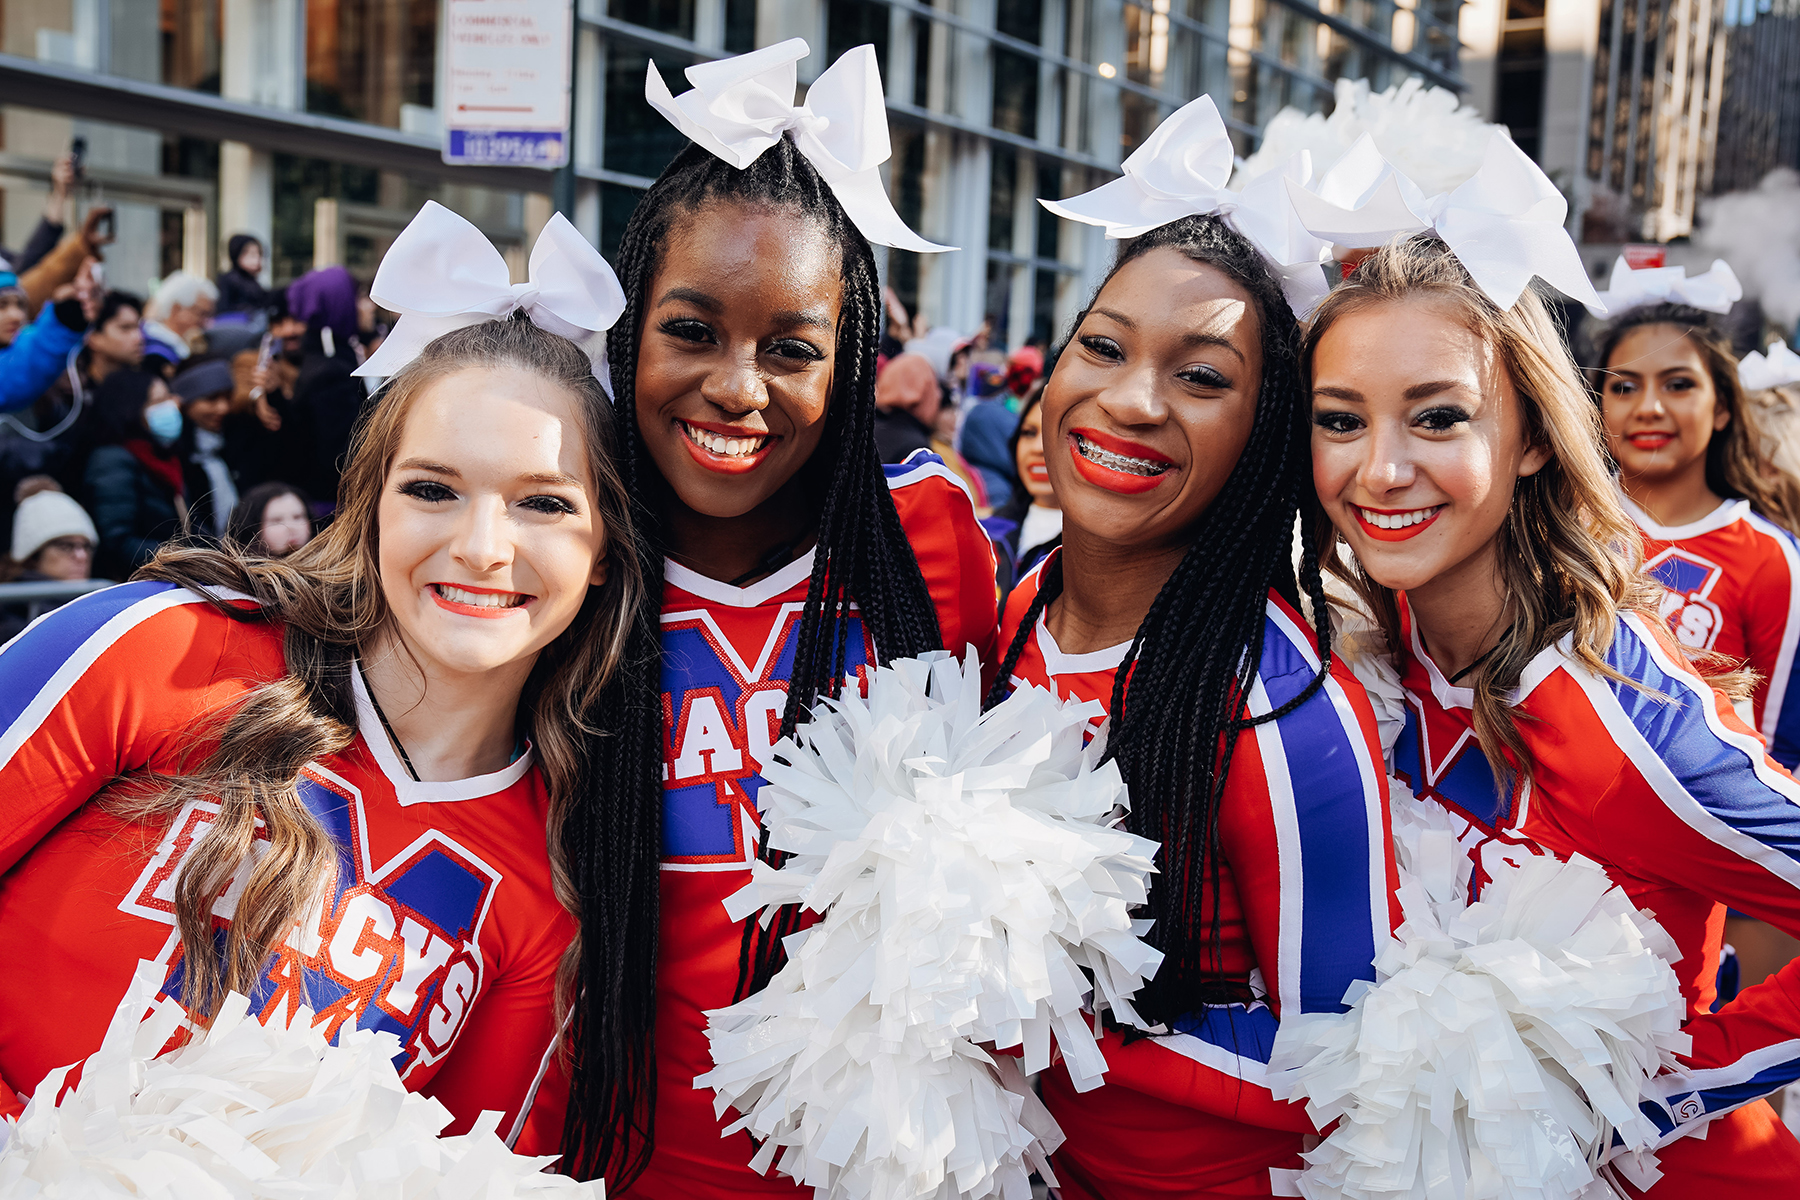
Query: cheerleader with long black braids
column 1174, row 434
column 744, row 373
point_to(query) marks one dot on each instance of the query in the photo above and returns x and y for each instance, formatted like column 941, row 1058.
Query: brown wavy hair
column 1738, row 463
column 1569, row 556
column 327, row 598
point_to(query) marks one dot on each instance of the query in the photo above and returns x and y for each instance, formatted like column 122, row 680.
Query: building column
column 247, row 196
column 261, row 62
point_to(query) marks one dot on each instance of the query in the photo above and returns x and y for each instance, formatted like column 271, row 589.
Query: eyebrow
column 694, row 296
column 546, row 478
column 1418, row 391
column 1191, row 339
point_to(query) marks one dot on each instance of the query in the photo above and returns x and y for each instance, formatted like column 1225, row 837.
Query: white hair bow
column 741, row 106
column 1181, row 171
column 1505, row 224
column 1777, row 367
column 1715, row 291
column 442, row 274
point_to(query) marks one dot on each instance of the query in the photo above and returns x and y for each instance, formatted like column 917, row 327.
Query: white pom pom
column 248, row 1111
column 1426, row 132
column 975, row 891
column 1503, row 1043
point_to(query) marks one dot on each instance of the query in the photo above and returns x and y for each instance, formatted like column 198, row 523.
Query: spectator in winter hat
column 205, row 391
column 52, row 539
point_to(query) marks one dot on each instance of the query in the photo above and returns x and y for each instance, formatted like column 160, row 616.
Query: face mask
column 163, row 420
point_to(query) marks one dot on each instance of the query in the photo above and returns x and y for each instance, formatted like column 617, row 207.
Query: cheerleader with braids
column 1548, row 709
column 1174, row 435
column 744, row 371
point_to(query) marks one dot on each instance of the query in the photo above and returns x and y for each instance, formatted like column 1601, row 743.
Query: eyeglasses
column 70, row 545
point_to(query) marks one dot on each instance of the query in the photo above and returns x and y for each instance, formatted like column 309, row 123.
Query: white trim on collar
column 409, row 790
column 760, row 592
column 1536, row 671
column 1727, row 512
column 1057, row 663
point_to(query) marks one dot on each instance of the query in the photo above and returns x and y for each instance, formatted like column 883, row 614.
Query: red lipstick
column 476, row 610
column 1393, row 535
column 1123, row 482
column 725, row 464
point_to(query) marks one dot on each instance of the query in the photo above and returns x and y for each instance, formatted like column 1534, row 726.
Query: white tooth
column 734, row 447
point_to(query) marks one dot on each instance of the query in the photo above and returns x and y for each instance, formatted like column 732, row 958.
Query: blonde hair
column 1569, row 557
column 327, row 596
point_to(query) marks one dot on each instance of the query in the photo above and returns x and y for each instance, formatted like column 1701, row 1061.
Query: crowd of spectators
column 206, row 410
column 975, row 406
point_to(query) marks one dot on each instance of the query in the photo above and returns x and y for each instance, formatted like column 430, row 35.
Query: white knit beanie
column 44, row 517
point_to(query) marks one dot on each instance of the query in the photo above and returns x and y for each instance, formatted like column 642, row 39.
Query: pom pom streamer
column 246, row 1111
column 1503, row 1044
column 976, row 893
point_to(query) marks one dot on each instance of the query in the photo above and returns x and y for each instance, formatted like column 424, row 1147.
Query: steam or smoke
column 1758, row 233
column 1428, row 133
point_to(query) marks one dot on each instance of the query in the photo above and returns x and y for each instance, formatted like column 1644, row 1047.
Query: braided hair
column 1197, row 651
column 862, row 555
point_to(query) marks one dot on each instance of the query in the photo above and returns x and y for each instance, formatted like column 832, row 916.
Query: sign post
column 508, row 75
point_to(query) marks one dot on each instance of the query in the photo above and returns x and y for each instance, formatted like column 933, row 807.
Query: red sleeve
column 506, row 1047
column 955, row 555
column 111, row 683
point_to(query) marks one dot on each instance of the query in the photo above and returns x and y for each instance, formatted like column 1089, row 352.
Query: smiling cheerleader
column 1549, row 712
column 341, row 779
column 1173, row 436
column 788, row 560
column 1716, row 514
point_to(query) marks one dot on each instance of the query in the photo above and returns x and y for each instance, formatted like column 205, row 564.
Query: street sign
column 506, row 96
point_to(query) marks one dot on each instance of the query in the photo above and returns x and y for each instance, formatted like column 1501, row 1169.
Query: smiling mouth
column 1400, row 520
column 495, row 600
column 723, row 446
column 1121, row 463
column 1650, row 441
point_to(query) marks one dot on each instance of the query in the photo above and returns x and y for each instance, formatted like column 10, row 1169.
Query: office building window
column 192, row 32
column 664, row 16
column 638, row 140
column 851, row 23
column 365, row 59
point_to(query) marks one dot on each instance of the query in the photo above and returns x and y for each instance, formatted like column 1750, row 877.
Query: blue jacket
column 983, row 441
column 35, row 358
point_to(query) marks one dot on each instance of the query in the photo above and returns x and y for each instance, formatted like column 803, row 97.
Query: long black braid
column 861, row 552
column 1199, row 648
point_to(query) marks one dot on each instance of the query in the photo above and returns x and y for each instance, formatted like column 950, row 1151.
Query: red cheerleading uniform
column 1732, row 585
column 440, row 925
column 1664, row 787
column 728, row 654
column 1305, row 897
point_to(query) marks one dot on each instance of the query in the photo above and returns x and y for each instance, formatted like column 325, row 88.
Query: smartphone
column 97, row 272
column 78, row 156
column 265, row 353
column 103, row 228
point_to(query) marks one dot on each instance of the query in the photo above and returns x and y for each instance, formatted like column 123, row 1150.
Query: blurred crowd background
column 195, row 195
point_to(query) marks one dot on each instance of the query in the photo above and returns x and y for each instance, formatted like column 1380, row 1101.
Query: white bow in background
column 1504, row 224
column 442, row 273
column 1715, row 291
column 1777, row 367
column 741, row 106
column 1180, row 171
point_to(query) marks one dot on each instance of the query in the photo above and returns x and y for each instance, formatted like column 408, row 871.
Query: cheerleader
column 329, row 779
column 744, row 372
column 1714, row 511
column 1172, row 434
column 1549, row 710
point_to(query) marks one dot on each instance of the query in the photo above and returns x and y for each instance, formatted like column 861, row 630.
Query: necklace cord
column 385, row 724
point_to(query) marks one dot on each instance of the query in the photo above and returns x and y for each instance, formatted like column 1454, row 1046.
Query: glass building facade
column 993, row 104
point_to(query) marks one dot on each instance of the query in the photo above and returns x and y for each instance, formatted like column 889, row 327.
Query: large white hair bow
column 741, row 106
column 442, row 274
column 1181, row 171
column 1505, row 224
column 1715, row 291
column 1777, row 367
